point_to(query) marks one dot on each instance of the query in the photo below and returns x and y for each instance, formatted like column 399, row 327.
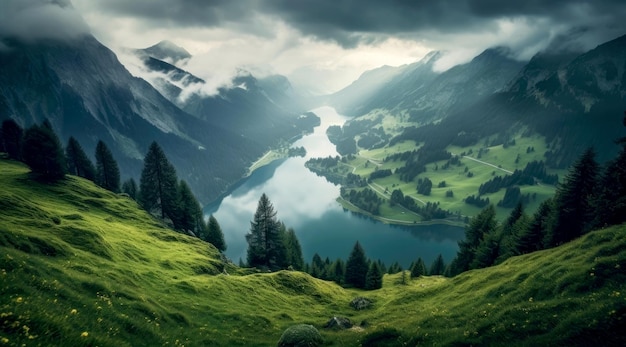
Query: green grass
column 456, row 177
column 81, row 266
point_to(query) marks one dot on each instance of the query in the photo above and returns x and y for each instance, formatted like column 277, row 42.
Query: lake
column 307, row 203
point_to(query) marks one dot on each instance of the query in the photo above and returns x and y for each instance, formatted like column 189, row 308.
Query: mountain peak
column 167, row 51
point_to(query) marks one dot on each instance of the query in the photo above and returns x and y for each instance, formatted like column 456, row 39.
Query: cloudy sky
column 322, row 45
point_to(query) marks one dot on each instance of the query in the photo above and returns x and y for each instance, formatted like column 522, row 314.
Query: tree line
column 159, row 192
column 589, row 198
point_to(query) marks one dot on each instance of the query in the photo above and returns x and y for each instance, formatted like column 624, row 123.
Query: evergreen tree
column 356, row 267
column 574, row 200
column 481, row 225
column 532, row 238
column 510, row 231
column 374, row 277
column 611, row 203
column 12, row 136
column 487, row 251
column 337, row 271
column 214, row 234
column 418, row 269
column 317, row 266
column 107, row 171
column 294, row 250
column 438, row 266
column 265, row 243
column 78, row 163
column 189, row 212
column 43, row 153
column 130, row 187
column 158, row 184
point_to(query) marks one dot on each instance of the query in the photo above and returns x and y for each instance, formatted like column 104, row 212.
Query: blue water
column 307, row 203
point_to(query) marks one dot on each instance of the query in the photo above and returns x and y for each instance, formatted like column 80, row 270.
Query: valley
column 319, row 174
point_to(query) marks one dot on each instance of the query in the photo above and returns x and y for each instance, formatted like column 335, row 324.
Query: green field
column 81, row 266
column 494, row 161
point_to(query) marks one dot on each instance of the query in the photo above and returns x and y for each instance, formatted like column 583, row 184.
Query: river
column 307, row 203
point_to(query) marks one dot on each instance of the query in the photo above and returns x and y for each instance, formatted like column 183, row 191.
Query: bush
column 301, row 335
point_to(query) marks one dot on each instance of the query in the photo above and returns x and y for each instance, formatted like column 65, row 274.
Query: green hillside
column 82, row 266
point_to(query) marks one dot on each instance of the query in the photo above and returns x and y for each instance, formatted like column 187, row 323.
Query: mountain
column 263, row 111
column 427, row 95
column 84, row 91
column 83, row 266
column 167, row 51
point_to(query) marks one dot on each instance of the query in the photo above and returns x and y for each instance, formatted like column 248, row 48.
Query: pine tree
column 189, row 212
column 78, row 163
column 294, row 250
column 317, row 266
column 510, row 231
column 438, row 266
column 374, row 277
column 610, row 206
column 265, row 243
column 158, row 184
column 107, row 171
column 214, row 234
column 574, row 200
column 356, row 267
column 481, row 225
column 43, row 153
column 532, row 239
column 338, row 271
column 12, row 136
column 130, row 187
column 418, row 269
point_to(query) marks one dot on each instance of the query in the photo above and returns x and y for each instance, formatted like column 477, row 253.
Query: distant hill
column 83, row 266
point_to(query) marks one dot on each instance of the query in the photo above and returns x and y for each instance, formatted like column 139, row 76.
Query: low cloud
column 31, row 20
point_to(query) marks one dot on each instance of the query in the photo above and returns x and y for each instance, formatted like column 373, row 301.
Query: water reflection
column 307, row 203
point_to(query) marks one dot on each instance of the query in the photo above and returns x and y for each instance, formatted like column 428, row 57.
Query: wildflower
column 74, row 311
column 19, row 299
column 84, row 334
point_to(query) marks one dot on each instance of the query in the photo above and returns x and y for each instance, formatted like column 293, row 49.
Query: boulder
column 360, row 303
column 338, row 323
column 301, row 335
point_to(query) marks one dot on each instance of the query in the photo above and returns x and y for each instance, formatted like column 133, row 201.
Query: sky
column 321, row 45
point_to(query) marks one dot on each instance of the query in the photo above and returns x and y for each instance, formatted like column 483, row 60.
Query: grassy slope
column 82, row 266
column 455, row 177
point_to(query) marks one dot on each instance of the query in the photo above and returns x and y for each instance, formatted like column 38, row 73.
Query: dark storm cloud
column 40, row 19
column 349, row 21
column 353, row 22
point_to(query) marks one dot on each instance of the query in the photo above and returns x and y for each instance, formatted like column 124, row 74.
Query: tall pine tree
column 418, row 269
column 294, row 250
column 265, row 242
column 189, row 213
column 374, row 277
column 438, row 266
column 158, row 184
column 611, row 203
column 356, row 267
column 479, row 227
column 43, row 153
column 78, row 163
column 214, row 234
column 532, row 239
column 107, row 171
column 574, row 200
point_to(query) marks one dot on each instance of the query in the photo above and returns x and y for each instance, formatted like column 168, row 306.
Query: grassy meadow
column 81, row 266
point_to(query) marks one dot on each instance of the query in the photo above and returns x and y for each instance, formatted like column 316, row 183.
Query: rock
column 301, row 335
column 338, row 323
column 360, row 303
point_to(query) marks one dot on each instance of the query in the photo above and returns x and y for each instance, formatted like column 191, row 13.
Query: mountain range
column 84, row 91
column 572, row 99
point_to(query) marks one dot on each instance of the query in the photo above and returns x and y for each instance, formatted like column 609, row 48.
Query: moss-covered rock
column 301, row 335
